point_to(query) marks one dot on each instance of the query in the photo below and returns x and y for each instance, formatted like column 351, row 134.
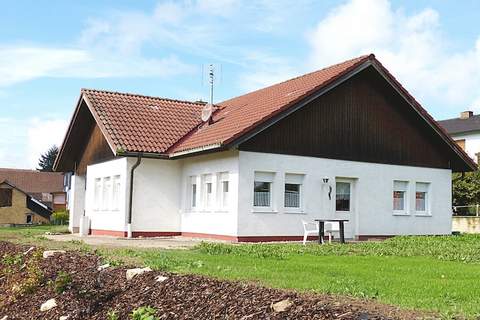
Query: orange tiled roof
column 136, row 123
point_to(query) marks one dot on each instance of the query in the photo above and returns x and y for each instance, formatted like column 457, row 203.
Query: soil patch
column 82, row 292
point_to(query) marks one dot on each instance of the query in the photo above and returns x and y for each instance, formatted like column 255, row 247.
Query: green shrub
column 62, row 282
column 60, row 217
column 144, row 313
column 112, row 315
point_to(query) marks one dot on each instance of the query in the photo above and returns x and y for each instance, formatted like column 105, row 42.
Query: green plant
column 144, row 313
column 34, row 276
column 62, row 282
column 112, row 315
column 60, row 217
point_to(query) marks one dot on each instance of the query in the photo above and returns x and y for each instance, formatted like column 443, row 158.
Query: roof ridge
column 458, row 118
column 365, row 56
column 82, row 90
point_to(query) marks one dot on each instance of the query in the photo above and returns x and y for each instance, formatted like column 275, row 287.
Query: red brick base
column 136, row 234
column 366, row 237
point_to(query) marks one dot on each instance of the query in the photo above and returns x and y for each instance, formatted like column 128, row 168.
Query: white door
column 344, row 204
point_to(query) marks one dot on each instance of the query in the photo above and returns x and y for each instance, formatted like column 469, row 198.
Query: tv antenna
column 209, row 108
column 211, row 80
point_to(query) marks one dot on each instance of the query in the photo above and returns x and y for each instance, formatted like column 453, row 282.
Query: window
column 400, row 195
column 292, row 195
column 293, row 190
column 59, row 198
column 262, row 189
column 207, row 191
column 5, row 197
column 209, row 194
column 421, row 197
column 29, row 219
column 262, row 195
column 223, row 192
column 194, row 195
column 116, row 193
column 342, row 196
column 97, row 197
column 106, row 196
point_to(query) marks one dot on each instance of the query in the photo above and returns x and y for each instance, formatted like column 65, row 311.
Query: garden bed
column 82, row 292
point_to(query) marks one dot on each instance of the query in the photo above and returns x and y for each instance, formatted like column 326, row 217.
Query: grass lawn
column 428, row 273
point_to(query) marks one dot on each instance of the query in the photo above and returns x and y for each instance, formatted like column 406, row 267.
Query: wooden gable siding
column 96, row 150
column 363, row 119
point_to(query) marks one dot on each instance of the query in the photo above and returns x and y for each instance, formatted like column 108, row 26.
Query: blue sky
column 51, row 49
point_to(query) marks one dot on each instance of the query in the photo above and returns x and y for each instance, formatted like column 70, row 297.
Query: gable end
column 362, row 119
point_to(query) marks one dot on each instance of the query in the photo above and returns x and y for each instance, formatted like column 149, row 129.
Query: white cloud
column 24, row 63
column 412, row 47
column 41, row 135
column 23, row 141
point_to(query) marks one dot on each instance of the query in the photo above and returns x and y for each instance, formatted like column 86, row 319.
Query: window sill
column 426, row 214
column 263, row 210
column 404, row 214
column 206, row 211
column 294, row 211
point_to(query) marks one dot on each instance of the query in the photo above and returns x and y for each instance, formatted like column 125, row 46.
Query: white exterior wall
column 76, row 202
column 107, row 219
column 156, row 195
column 372, row 212
column 472, row 143
column 214, row 220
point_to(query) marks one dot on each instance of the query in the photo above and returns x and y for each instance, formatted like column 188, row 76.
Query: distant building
column 19, row 207
column 46, row 187
column 465, row 130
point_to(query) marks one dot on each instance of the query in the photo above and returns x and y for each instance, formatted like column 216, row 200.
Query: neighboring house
column 44, row 186
column 465, row 130
column 347, row 141
column 18, row 207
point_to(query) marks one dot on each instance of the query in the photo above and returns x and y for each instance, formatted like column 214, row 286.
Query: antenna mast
column 211, row 80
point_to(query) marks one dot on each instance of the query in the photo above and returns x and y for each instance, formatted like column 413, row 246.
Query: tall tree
column 47, row 159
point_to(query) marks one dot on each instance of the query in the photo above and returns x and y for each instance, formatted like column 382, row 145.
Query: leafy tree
column 47, row 159
column 466, row 189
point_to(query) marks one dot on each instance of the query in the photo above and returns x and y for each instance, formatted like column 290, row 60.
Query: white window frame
column 350, row 207
column 224, row 197
column 97, row 194
column 427, row 190
column 406, row 202
column 295, row 179
column 208, row 198
column 193, row 198
column 116, row 192
column 264, row 177
column 106, row 201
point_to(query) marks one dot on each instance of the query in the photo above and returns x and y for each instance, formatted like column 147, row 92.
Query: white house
column 347, row 141
column 465, row 130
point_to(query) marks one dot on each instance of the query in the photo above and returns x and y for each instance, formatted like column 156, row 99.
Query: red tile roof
column 33, row 182
column 137, row 123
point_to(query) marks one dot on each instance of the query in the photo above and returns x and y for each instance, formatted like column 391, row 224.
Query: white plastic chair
column 330, row 229
column 309, row 231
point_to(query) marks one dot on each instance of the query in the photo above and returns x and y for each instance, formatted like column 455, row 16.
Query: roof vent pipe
column 130, row 205
column 466, row 114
